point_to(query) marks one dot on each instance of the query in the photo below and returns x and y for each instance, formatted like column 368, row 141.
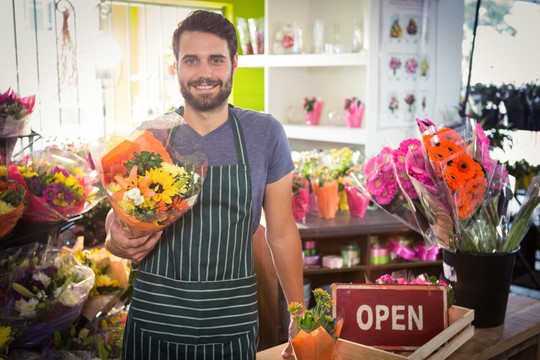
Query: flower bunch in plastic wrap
column 405, row 277
column 112, row 273
column 59, row 186
column 154, row 175
column 15, row 113
column 45, row 289
column 447, row 187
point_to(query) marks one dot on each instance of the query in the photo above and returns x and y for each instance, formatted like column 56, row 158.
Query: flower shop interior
column 413, row 125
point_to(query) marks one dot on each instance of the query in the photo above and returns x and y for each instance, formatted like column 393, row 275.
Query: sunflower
column 162, row 184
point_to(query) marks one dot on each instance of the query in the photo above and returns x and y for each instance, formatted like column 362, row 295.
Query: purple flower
column 34, row 185
column 51, row 192
column 59, row 169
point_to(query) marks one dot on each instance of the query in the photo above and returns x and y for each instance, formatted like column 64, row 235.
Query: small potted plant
column 315, row 327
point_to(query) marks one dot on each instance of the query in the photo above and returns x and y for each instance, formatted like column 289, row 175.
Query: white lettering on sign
column 382, row 313
column 396, row 317
column 364, row 309
column 418, row 318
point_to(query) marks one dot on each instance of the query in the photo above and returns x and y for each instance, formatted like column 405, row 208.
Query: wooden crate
column 439, row 347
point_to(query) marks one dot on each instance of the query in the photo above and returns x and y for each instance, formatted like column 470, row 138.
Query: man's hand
column 119, row 244
column 288, row 351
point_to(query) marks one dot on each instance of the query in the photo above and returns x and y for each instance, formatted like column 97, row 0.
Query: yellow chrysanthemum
column 162, row 184
column 57, row 178
column 172, row 169
column 5, row 207
column 3, row 171
column 5, row 336
column 27, row 172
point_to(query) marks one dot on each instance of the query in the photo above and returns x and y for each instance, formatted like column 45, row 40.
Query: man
column 195, row 291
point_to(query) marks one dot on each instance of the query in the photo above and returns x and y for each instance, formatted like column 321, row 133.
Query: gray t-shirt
column 268, row 150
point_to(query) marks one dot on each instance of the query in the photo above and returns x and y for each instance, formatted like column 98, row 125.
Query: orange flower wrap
column 317, row 345
column 327, row 198
column 9, row 220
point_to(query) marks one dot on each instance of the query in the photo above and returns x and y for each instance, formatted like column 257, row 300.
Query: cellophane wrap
column 153, row 175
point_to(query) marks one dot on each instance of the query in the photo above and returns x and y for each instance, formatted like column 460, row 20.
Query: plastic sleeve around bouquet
column 59, row 186
column 15, row 114
column 154, row 175
column 48, row 292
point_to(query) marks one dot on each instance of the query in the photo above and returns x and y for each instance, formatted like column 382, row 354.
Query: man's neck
column 206, row 122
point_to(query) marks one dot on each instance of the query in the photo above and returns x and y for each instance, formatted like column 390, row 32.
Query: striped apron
column 195, row 294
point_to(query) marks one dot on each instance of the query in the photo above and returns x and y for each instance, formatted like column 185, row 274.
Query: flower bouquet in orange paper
column 59, row 186
column 326, row 188
column 12, row 202
column 154, row 175
column 316, row 331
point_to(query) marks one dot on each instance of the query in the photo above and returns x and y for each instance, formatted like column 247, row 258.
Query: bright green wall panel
column 248, row 89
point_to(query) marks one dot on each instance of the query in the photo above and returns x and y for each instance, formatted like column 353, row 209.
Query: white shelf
column 303, row 60
column 334, row 134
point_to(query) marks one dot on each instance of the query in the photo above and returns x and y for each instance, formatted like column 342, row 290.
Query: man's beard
column 206, row 102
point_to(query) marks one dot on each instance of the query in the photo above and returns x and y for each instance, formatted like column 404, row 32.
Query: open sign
column 397, row 317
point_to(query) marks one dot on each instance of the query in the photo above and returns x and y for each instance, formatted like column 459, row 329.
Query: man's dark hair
column 209, row 22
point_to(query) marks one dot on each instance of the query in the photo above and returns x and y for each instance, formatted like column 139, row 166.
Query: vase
column 354, row 118
column 358, row 201
column 312, row 117
column 481, row 282
column 327, row 198
column 343, row 202
column 300, row 204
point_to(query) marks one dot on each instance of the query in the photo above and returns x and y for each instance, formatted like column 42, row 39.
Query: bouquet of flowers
column 316, row 331
column 406, row 277
column 12, row 202
column 112, row 275
column 153, row 176
column 15, row 113
column 448, row 188
column 307, row 163
column 59, row 186
column 300, row 197
column 44, row 290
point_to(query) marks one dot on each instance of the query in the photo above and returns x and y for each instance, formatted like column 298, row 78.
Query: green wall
column 248, row 86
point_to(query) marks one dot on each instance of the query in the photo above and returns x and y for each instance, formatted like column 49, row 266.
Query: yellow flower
column 173, row 169
column 5, row 207
column 162, row 184
column 5, row 336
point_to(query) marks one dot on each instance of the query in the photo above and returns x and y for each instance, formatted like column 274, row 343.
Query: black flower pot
column 481, row 282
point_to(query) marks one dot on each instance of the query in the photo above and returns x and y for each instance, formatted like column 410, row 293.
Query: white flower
column 70, row 296
column 42, row 277
column 26, row 308
column 132, row 194
column 138, row 200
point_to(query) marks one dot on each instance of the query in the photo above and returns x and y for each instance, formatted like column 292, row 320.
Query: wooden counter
column 517, row 338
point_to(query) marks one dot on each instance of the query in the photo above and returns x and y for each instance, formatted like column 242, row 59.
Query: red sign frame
column 393, row 317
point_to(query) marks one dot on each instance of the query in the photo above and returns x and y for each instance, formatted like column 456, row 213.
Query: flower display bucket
column 481, row 282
